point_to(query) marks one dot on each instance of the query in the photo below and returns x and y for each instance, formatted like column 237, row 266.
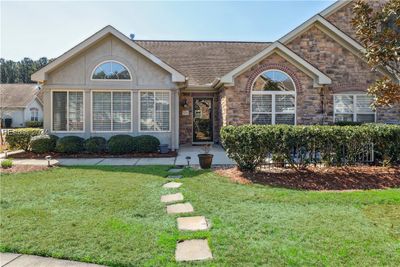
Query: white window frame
column 34, row 111
column 84, row 117
column 354, row 113
column 112, row 80
column 112, row 117
column 273, row 95
column 169, row 110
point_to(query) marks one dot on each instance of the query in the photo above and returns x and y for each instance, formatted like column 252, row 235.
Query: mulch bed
column 23, row 168
column 320, row 178
column 54, row 155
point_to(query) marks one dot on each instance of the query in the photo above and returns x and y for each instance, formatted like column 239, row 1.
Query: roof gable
column 41, row 74
column 334, row 7
column 319, row 77
column 17, row 95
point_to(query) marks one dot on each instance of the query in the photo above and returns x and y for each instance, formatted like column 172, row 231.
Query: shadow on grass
column 156, row 170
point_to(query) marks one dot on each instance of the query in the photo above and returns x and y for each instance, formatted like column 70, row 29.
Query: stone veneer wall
column 186, row 121
column 235, row 100
column 348, row 72
column 342, row 18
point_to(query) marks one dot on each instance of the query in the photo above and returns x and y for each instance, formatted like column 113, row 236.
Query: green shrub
column 43, row 143
column 7, row 163
column 95, row 144
column 146, row 143
column 70, row 144
column 20, row 138
column 34, row 124
column 121, row 144
column 348, row 123
column 249, row 145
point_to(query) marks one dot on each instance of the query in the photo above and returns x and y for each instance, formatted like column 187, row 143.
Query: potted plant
column 205, row 159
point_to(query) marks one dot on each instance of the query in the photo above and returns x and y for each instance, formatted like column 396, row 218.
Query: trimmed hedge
column 43, row 143
column 146, row 143
column 70, row 144
column 21, row 138
column 249, row 145
column 34, row 124
column 121, row 144
column 95, row 144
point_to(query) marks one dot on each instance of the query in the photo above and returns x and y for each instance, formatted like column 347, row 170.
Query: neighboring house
column 21, row 103
column 184, row 91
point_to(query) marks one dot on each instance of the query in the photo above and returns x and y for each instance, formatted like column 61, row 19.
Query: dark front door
column 202, row 119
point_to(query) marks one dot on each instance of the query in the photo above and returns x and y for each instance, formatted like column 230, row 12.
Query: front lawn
column 114, row 216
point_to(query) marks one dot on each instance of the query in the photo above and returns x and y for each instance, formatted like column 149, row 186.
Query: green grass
column 113, row 216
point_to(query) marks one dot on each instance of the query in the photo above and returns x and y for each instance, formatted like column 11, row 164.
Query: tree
column 379, row 32
column 21, row 71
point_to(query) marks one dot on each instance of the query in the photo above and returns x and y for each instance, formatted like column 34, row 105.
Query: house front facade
column 183, row 92
column 19, row 104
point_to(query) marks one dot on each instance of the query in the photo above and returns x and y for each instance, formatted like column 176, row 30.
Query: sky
column 49, row 28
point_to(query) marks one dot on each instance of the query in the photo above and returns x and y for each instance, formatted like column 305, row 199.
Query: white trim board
column 319, row 77
column 41, row 74
column 334, row 7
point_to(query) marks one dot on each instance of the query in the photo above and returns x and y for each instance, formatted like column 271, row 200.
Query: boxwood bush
column 146, row 143
column 70, row 144
column 34, row 124
column 95, row 144
column 43, row 143
column 249, row 145
column 21, row 138
column 121, row 144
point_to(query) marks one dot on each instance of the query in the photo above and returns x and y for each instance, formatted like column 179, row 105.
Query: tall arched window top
column 111, row 70
column 273, row 80
column 273, row 99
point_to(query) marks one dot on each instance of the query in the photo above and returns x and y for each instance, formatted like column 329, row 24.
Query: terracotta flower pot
column 205, row 160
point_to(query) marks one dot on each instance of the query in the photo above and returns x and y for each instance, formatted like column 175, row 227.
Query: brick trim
column 349, row 87
column 281, row 67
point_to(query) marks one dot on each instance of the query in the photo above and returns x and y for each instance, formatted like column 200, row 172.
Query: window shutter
column 121, row 111
column 344, row 104
column 284, row 103
column 60, row 111
column 75, row 111
column 162, row 111
column 146, row 111
column 364, row 103
column 101, row 111
column 262, row 103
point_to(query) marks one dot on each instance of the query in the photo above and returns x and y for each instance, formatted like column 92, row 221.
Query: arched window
column 111, row 70
column 34, row 114
column 273, row 98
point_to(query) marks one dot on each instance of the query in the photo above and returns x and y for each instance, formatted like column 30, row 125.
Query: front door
column 202, row 119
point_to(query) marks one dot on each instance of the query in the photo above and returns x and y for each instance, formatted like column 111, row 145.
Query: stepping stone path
column 172, row 185
column 174, row 176
column 180, row 208
column 193, row 250
column 172, row 198
column 196, row 223
column 188, row 250
column 174, row 170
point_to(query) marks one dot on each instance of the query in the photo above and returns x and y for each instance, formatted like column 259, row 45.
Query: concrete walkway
column 220, row 158
column 19, row 260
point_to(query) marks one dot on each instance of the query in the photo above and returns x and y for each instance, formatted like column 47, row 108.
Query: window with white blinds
column 111, row 111
column 273, row 99
column 154, row 111
column 68, row 109
column 353, row 107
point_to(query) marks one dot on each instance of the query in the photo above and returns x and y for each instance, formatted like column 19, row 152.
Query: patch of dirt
column 55, row 155
column 23, row 168
column 320, row 178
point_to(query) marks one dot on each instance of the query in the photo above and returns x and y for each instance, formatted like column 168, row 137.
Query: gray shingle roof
column 203, row 61
column 17, row 95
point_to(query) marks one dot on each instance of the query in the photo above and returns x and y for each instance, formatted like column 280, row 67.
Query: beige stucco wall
column 146, row 75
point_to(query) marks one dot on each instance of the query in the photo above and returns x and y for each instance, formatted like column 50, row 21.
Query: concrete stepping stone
column 172, row 185
column 193, row 250
column 175, row 170
column 172, row 198
column 195, row 223
column 174, row 176
column 180, row 208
